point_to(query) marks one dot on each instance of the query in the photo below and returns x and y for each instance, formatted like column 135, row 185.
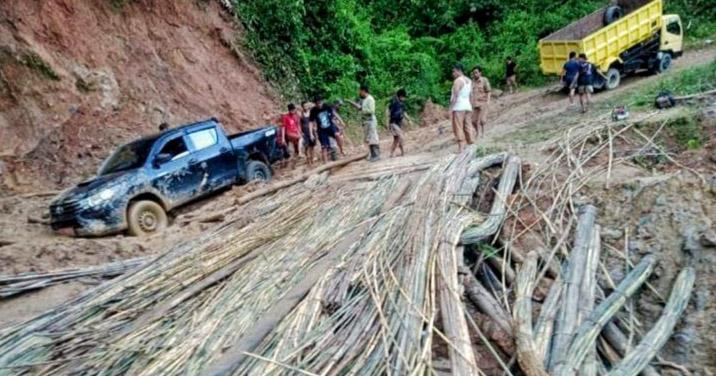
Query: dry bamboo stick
column 522, row 318
column 588, row 332
column 652, row 342
column 568, row 319
column 474, row 235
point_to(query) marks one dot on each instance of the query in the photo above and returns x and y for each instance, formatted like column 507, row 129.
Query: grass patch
column 35, row 62
column 685, row 82
column 688, row 132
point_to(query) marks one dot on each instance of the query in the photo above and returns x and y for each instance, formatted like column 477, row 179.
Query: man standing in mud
column 480, row 100
column 322, row 116
column 370, row 122
column 460, row 107
column 396, row 111
column 570, row 74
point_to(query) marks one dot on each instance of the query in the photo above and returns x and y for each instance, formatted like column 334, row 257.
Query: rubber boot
column 374, row 153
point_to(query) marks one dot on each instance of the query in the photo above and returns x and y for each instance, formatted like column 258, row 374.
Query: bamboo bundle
column 635, row 361
column 18, row 284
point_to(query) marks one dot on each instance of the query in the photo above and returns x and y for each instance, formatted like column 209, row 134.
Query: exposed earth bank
column 78, row 78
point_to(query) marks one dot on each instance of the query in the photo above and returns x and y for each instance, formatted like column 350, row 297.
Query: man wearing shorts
column 480, row 100
column 585, row 81
column 308, row 133
column 570, row 74
column 397, row 113
column 460, row 107
column 291, row 123
column 322, row 116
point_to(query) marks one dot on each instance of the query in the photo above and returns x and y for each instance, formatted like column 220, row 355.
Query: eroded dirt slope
column 79, row 77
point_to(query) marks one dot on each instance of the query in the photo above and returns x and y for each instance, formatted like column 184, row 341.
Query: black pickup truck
column 143, row 180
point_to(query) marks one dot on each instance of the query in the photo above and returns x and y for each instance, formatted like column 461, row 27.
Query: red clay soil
column 78, row 78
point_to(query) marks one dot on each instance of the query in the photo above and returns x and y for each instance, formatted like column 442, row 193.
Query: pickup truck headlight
column 101, row 197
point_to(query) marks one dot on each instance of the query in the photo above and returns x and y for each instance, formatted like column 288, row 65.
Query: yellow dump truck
column 620, row 39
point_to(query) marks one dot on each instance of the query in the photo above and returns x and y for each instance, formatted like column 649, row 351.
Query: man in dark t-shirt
column 587, row 71
column 511, row 75
column 397, row 113
column 322, row 115
column 570, row 74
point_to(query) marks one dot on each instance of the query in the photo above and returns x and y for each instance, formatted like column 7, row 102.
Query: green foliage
column 35, row 62
column 687, row 132
column 330, row 46
column 685, row 82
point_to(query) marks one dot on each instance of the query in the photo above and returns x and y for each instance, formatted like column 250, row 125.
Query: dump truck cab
column 672, row 37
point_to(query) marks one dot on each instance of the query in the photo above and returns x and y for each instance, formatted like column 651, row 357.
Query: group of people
column 578, row 76
column 319, row 123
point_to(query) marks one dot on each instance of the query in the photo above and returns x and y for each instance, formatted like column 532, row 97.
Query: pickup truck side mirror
column 161, row 159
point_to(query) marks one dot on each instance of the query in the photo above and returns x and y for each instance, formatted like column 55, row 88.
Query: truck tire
column 663, row 64
column 612, row 14
column 257, row 170
column 146, row 218
column 599, row 83
column 613, row 78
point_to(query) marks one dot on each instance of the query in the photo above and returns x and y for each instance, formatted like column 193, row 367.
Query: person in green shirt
column 366, row 106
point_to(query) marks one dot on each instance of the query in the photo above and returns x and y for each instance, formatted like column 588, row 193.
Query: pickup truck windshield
column 128, row 157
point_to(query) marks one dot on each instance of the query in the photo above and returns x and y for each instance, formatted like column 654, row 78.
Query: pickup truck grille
column 64, row 212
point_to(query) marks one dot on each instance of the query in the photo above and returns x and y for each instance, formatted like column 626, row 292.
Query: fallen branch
column 655, row 339
column 485, row 302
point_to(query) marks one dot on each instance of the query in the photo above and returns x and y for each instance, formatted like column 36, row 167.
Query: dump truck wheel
column 663, row 64
column 257, row 170
column 145, row 218
column 599, row 83
column 612, row 14
column 613, row 78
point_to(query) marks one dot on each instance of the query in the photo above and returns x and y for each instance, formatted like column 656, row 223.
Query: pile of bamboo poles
column 12, row 285
column 367, row 277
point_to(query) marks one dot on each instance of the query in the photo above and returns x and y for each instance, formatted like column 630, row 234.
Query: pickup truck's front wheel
column 257, row 170
column 145, row 218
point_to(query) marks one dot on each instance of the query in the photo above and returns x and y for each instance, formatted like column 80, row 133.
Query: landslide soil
column 78, row 78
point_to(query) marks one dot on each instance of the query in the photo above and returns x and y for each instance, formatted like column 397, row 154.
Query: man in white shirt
column 460, row 107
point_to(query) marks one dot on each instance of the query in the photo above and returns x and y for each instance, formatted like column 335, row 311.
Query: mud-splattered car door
column 218, row 159
column 177, row 172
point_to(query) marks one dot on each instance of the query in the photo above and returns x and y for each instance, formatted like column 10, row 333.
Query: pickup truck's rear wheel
column 614, row 77
column 257, row 170
column 145, row 218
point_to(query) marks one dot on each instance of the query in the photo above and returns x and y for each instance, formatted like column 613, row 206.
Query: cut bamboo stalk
column 489, row 227
column 485, row 302
column 635, row 361
column 522, row 318
column 619, row 343
column 545, row 322
column 589, row 330
column 586, row 298
column 568, row 319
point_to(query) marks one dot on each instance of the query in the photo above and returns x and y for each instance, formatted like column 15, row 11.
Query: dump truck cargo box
column 603, row 44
